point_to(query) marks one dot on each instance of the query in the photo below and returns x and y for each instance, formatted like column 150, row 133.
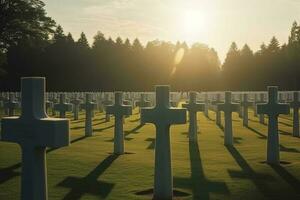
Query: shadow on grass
column 98, row 123
column 152, row 144
column 236, row 140
column 286, row 124
column 287, row 176
column 281, row 132
column 134, row 130
column 103, row 129
column 135, row 120
column 260, row 135
column 284, row 117
column 8, row 173
column 248, row 173
column 90, row 183
column 200, row 185
column 287, row 149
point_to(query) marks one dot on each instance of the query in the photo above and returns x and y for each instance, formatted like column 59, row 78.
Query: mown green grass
column 207, row 170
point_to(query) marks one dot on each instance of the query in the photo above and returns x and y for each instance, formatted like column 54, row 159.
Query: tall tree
column 23, row 19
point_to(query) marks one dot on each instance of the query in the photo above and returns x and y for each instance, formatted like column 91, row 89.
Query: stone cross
column 228, row 107
column 273, row 109
column 261, row 100
column 245, row 104
column 218, row 113
column 62, row 106
column 295, row 104
column 11, row 105
column 143, row 103
column 119, row 110
column 240, row 107
column 163, row 116
column 34, row 131
column 193, row 107
column 206, row 101
column 88, row 106
column 76, row 103
column 107, row 102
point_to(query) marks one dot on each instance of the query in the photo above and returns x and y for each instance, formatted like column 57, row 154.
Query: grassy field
column 207, row 170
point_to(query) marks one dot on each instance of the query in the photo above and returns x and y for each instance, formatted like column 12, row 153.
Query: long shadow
column 72, row 141
column 77, row 127
column 248, row 173
column 77, row 121
column 90, row 183
column 200, row 185
column 281, row 132
column 8, row 173
column 236, row 140
column 287, row 149
column 98, row 123
column 287, row 118
column 286, row 124
column 102, row 129
column 152, row 144
column 135, row 120
column 98, row 119
column 287, row 176
column 134, row 130
column 260, row 135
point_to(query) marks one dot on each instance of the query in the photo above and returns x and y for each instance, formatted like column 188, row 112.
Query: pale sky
column 214, row 22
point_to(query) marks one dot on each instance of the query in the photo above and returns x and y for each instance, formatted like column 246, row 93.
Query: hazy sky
column 213, row 22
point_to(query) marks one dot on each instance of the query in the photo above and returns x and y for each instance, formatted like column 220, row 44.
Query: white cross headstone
column 76, row 103
column 218, row 113
column 107, row 102
column 273, row 109
column 206, row 101
column 163, row 116
column 62, row 106
column 143, row 102
column 245, row 104
column 34, row 131
column 88, row 106
column 228, row 107
column 193, row 107
column 11, row 105
column 119, row 110
column 295, row 104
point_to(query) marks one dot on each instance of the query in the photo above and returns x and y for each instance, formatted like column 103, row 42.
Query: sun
column 194, row 24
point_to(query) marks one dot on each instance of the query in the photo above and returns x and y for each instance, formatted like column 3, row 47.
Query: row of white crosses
column 26, row 130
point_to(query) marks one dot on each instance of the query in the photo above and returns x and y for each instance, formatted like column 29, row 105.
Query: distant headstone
column 228, row 107
column 193, row 107
column 34, row 131
column 295, row 104
column 143, row 102
column 119, row 111
column 88, row 106
column 245, row 104
column 62, row 106
column 107, row 102
column 76, row 103
column 206, row 101
column 273, row 109
column 218, row 113
column 11, row 105
column 163, row 116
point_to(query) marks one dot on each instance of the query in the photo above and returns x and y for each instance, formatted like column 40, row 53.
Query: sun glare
column 193, row 25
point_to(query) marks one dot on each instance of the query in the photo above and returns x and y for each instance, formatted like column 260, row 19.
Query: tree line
column 31, row 44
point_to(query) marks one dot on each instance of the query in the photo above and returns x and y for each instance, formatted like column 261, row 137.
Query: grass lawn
column 207, row 170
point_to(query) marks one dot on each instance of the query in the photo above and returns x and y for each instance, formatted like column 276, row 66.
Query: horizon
column 173, row 21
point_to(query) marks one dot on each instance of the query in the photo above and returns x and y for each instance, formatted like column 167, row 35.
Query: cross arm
column 45, row 132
